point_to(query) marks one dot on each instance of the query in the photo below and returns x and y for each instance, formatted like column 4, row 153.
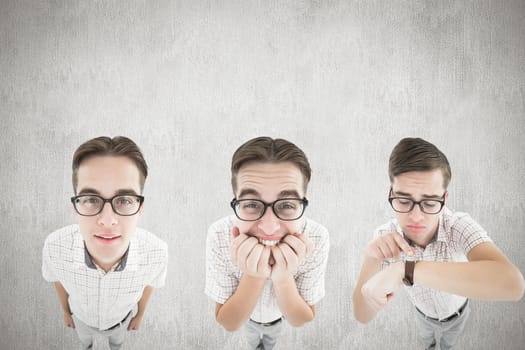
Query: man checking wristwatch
column 448, row 257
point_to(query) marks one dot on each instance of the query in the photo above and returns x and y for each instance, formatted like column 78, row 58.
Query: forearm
column 482, row 279
column 293, row 307
column 362, row 310
column 144, row 300
column 63, row 297
column 238, row 308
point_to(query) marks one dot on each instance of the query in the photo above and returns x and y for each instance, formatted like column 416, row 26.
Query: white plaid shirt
column 222, row 276
column 457, row 234
column 97, row 298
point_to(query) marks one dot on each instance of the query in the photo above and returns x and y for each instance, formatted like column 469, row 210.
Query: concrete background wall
column 190, row 81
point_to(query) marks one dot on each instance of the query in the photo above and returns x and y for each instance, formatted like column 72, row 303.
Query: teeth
column 268, row 243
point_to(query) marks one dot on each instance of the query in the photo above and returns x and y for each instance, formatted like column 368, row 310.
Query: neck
column 106, row 263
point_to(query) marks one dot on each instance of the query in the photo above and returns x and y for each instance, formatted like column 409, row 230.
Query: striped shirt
column 457, row 234
column 223, row 277
column 97, row 298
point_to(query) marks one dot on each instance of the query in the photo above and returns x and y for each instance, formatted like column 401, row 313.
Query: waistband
column 120, row 323
column 268, row 324
column 449, row 318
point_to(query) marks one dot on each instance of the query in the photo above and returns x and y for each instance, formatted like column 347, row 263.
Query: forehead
column 270, row 179
column 108, row 174
column 419, row 182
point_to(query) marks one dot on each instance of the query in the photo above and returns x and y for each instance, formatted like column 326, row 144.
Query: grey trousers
column 115, row 336
column 261, row 337
column 450, row 330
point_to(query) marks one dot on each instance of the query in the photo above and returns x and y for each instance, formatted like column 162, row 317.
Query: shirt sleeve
column 160, row 278
column 47, row 269
column 468, row 232
column 221, row 281
column 310, row 279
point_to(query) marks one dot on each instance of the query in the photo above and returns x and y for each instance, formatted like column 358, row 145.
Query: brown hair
column 105, row 146
column 415, row 154
column 268, row 150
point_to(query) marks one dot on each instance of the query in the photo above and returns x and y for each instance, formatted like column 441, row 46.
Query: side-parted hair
column 105, row 146
column 416, row 154
column 267, row 150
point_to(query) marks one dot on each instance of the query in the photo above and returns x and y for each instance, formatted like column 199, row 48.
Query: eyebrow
column 282, row 194
column 428, row 196
column 123, row 191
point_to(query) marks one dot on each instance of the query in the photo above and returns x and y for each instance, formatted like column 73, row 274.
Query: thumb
column 235, row 231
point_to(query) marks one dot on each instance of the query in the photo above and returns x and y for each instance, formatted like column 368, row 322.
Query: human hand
column 68, row 320
column 379, row 289
column 251, row 257
column 388, row 246
column 135, row 323
column 289, row 254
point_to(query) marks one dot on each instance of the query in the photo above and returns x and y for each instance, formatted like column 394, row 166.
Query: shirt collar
column 88, row 260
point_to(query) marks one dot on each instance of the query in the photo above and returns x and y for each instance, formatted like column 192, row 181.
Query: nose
column 107, row 217
column 269, row 224
column 416, row 214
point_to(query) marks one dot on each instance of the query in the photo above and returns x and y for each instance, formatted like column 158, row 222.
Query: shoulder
column 219, row 232
column 224, row 224
column 148, row 242
column 315, row 230
column 65, row 236
column 459, row 222
column 63, row 244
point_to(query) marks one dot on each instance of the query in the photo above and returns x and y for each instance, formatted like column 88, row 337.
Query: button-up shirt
column 457, row 234
column 223, row 277
column 98, row 298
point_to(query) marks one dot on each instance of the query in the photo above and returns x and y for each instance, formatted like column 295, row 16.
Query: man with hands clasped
column 442, row 257
column 267, row 262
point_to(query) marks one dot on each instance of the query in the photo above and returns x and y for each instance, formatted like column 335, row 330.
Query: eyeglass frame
column 108, row 200
column 442, row 202
column 236, row 201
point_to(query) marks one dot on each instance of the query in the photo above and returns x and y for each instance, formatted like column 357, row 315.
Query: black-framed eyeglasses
column 427, row 206
column 286, row 209
column 92, row 204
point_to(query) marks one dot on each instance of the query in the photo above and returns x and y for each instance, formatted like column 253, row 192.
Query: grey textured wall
column 189, row 81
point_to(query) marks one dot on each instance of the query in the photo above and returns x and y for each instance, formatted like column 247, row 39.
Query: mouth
column 416, row 228
column 270, row 241
column 106, row 238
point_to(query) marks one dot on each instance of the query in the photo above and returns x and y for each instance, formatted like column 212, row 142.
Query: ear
column 446, row 196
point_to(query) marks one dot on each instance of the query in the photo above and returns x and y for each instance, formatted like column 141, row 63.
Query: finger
column 264, row 261
column 278, row 256
column 392, row 246
column 235, row 244
column 292, row 261
column 297, row 245
column 252, row 261
column 383, row 250
column 307, row 242
column 403, row 244
column 244, row 251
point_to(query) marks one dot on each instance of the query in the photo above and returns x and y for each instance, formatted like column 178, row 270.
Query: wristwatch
column 410, row 263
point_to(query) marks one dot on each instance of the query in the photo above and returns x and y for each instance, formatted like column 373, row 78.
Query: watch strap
column 409, row 272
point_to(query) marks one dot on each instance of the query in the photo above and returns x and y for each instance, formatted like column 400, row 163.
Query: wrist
column 283, row 281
